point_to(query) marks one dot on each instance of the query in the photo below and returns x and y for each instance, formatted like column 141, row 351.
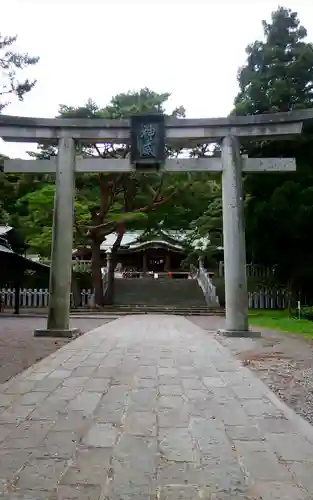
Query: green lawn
column 280, row 320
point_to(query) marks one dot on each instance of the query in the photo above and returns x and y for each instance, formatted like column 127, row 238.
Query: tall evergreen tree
column 278, row 76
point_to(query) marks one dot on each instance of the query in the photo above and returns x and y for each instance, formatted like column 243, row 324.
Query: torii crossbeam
column 186, row 133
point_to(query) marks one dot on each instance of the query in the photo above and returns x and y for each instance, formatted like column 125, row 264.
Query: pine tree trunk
column 109, row 296
column 96, row 273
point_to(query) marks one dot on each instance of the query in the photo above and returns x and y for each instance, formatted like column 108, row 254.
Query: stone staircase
column 160, row 296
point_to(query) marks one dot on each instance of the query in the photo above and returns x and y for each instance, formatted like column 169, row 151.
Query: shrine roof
column 137, row 239
column 11, row 258
column 5, row 230
column 133, row 240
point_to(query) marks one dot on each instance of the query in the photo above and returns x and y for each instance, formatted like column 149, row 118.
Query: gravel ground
column 19, row 349
column 283, row 361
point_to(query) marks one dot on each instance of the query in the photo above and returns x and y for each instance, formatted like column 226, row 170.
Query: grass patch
column 280, row 320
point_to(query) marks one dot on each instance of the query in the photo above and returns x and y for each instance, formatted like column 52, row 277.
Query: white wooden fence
column 252, row 270
column 33, row 298
column 39, row 298
column 268, row 299
column 83, row 266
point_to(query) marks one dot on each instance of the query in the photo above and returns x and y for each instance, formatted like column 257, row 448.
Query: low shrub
column 306, row 312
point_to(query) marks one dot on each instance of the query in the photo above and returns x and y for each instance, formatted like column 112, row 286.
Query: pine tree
column 11, row 65
column 278, row 75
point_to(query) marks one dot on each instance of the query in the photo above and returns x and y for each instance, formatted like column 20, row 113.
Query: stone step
column 116, row 313
column 164, row 292
column 116, row 310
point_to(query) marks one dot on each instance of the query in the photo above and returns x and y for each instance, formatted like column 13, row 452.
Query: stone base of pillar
column 240, row 333
column 71, row 333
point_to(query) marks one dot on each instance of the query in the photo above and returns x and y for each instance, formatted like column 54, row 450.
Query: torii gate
column 228, row 131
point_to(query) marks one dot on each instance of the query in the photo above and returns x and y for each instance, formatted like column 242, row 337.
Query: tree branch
column 78, row 229
column 155, row 193
column 104, row 196
column 98, row 151
column 151, row 207
column 120, row 234
column 159, row 188
column 148, row 208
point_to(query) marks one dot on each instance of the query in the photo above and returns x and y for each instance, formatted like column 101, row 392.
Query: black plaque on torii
column 147, row 140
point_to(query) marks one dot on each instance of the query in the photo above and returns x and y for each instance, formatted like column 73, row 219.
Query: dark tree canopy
column 278, row 76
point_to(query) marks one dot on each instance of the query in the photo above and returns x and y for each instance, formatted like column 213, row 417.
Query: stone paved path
column 149, row 407
column 19, row 349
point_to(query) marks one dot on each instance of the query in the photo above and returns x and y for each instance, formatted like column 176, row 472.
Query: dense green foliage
column 277, row 76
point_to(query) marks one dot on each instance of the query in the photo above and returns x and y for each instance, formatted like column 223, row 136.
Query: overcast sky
column 98, row 49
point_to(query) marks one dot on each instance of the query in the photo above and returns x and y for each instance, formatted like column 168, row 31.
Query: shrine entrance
column 148, row 136
column 156, row 264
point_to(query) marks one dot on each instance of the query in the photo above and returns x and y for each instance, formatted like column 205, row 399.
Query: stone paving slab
column 149, row 407
column 19, row 349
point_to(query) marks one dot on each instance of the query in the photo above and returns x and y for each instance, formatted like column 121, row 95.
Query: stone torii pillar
column 62, row 244
column 236, row 291
column 227, row 131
